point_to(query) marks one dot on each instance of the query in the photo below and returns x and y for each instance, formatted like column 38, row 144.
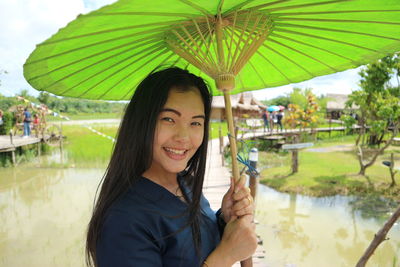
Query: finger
column 243, row 203
column 241, row 194
column 239, row 184
column 246, row 211
column 232, row 186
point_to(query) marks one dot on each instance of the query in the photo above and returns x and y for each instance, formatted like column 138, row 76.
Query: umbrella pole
column 233, row 148
column 232, row 137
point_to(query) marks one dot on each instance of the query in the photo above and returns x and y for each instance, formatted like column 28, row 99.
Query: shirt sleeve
column 126, row 242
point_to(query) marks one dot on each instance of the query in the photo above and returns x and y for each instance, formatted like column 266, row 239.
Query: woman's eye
column 196, row 123
column 167, row 119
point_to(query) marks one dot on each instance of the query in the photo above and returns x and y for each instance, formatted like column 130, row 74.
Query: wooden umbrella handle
column 235, row 167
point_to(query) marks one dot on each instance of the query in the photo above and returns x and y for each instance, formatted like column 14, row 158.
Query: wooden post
column 61, row 145
column 221, row 140
column 253, row 181
column 295, row 156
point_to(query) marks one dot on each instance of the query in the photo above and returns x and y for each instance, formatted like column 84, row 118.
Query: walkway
column 216, row 183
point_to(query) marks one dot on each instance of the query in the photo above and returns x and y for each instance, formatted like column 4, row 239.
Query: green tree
column 44, row 98
column 379, row 110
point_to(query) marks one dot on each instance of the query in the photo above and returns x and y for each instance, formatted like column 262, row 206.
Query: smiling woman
column 151, row 210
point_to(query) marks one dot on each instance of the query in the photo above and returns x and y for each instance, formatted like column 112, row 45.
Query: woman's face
column 179, row 132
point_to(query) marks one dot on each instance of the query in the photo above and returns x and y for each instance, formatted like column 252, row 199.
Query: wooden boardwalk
column 8, row 145
column 216, row 184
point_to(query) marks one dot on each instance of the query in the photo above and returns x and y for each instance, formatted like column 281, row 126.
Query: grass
column 214, row 129
column 322, row 174
column 84, row 146
column 86, row 116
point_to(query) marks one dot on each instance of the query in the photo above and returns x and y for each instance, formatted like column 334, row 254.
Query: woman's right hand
column 239, row 240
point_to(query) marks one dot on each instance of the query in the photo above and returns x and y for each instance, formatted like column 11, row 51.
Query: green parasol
column 253, row 43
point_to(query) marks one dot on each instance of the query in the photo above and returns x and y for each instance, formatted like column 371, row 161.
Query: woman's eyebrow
column 179, row 114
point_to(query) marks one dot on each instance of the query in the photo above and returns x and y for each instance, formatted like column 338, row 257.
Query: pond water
column 44, row 213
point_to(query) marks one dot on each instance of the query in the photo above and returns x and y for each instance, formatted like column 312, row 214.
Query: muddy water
column 304, row 231
column 44, row 213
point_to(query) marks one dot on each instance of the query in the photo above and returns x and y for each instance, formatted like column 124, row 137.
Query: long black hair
column 132, row 154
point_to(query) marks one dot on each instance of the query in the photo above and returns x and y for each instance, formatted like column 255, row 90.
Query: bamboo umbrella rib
column 169, row 24
column 316, row 47
column 207, row 47
column 150, row 60
column 304, row 54
column 229, row 46
column 332, row 12
column 289, row 59
column 325, row 38
column 211, row 36
column 126, row 66
column 275, row 67
column 241, row 5
column 336, row 20
column 161, row 14
column 203, row 55
column 190, row 59
column 95, row 44
column 240, row 40
column 196, row 7
column 334, row 30
column 194, row 54
column 250, row 49
column 156, row 46
column 136, row 44
column 219, row 7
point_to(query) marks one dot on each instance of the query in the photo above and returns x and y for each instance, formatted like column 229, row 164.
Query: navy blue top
column 144, row 228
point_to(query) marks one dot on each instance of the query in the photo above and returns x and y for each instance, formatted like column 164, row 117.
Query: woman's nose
column 182, row 133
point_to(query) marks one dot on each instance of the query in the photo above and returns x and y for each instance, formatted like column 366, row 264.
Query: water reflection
column 44, row 213
column 305, row 231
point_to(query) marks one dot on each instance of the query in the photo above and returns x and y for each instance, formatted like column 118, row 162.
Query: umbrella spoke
column 326, row 39
column 335, row 30
column 333, row 12
column 149, row 61
column 304, row 5
column 96, row 44
column 157, row 46
column 113, row 30
column 196, row 7
column 336, row 20
column 239, row 6
column 123, row 68
column 313, row 46
column 289, row 59
column 132, row 45
column 161, row 14
column 275, row 67
column 304, row 54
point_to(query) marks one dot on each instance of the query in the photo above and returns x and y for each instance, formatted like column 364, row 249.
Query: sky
column 25, row 23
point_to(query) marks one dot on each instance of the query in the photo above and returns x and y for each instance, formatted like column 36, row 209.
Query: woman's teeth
column 175, row 151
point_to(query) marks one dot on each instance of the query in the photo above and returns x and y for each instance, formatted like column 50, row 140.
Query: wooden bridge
column 9, row 143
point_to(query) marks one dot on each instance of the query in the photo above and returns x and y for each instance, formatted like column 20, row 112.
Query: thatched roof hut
column 243, row 103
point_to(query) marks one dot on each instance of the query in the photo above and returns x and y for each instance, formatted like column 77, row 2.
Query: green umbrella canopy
column 264, row 43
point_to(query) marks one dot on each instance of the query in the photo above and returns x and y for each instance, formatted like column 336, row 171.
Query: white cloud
column 25, row 23
column 339, row 83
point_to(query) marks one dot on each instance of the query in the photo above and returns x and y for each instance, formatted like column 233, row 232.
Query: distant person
column 273, row 120
column 27, row 122
column 279, row 118
column 36, row 124
column 1, row 117
column 265, row 117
